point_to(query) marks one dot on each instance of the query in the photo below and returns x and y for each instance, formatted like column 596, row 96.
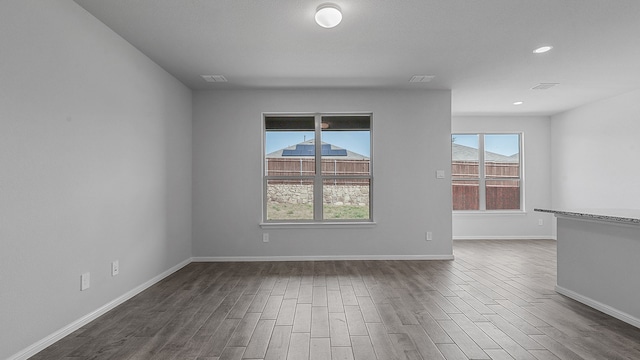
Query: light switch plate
column 440, row 174
column 115, row 268
column 85, row 281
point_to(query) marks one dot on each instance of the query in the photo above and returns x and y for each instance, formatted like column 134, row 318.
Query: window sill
column 489, row 212
column 319, row 225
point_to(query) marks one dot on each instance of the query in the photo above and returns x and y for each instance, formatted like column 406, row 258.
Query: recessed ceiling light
column 518, row 103
column 328, row 15
column 544, row 86
column 542, row 49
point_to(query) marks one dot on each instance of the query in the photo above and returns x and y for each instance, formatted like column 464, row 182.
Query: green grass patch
column 305, row 212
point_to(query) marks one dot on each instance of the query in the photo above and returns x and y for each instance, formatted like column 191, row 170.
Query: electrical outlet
column 85, row 281
column 540, row 222
column 115, row 268
column 265, row 237
column 428, row 236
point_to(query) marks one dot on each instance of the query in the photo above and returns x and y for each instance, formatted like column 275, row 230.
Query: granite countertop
column 625, row 216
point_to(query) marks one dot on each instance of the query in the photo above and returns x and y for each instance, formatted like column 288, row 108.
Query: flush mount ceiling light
column 542, row 49
column 328, row 15
column 518, row 103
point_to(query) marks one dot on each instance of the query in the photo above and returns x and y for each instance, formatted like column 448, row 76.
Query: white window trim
column 488, row 212
column 481, row 170
column 317, row 225
column 318, row 222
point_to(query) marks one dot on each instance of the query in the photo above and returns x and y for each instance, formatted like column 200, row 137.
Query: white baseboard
column 620, row 315
column 49, row 340
column 503, row 237
column 319, row 258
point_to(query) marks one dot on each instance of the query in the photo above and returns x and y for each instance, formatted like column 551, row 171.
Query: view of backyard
column 322, row 159
column 305, row 211
column 497, row 172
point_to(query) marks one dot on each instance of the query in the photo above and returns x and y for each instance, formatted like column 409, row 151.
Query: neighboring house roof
column 465, row 153
column 305, row 149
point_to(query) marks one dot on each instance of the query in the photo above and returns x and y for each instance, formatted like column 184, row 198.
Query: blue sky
column 356, row 141
column 503, row 144
column 359, row 141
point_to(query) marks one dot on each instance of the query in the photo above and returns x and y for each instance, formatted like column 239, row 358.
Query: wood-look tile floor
column 495, row 301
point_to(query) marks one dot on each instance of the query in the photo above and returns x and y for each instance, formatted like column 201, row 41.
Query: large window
column 317, row 167
column 486, row 171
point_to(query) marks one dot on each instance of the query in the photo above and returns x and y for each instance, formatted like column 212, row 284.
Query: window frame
column 482, row 178
column 318, row 177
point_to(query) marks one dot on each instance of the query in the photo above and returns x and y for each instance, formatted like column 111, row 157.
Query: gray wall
column 595, row 154
column 95, row 165
column 411, row 141
column 537, row 186
column 598, row 265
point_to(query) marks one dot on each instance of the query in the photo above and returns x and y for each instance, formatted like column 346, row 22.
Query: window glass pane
column 503, row 194
column 466, row 194
column 346, row 122
column 465, row 156
column 285, row 123
column 346, row 152
column 289, row 153
column 346, row 145
column 290, row 199
column 346, row 199
column 293, row 145
column 502, row 156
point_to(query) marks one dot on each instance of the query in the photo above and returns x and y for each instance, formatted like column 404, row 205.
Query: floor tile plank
column 355, row 321
column 299, row 346
column 362, row 348
column 287, row 312
column 338, row 330
column 320, row 349
column 368, row 309
column 302, row 318
column 381, row 342
column 257, row 347
column 460, row 337
column 242, row 335
column 341, row 353
column 319, row 321
column 279, row 343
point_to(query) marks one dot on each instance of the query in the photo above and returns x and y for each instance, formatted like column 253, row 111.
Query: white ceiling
column 480, row 49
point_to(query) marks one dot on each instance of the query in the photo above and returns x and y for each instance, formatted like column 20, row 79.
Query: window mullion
column 482, row 190
column 521, row 171
column 317, row 180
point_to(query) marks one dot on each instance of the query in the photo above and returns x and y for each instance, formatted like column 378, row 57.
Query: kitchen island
column 599, row 260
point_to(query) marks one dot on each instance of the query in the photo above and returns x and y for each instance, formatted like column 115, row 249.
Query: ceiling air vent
column 421, row 78
column 214, row 78
column 544, row 86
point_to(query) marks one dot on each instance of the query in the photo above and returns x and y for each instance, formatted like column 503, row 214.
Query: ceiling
column 480, row 49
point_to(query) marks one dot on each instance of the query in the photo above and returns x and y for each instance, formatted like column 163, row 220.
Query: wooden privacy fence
column 465, row 196
column 469, row 169
column 498, row 196
column 306, row 167
column 502, row 185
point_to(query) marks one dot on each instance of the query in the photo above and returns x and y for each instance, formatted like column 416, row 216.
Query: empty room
column 313, row 180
